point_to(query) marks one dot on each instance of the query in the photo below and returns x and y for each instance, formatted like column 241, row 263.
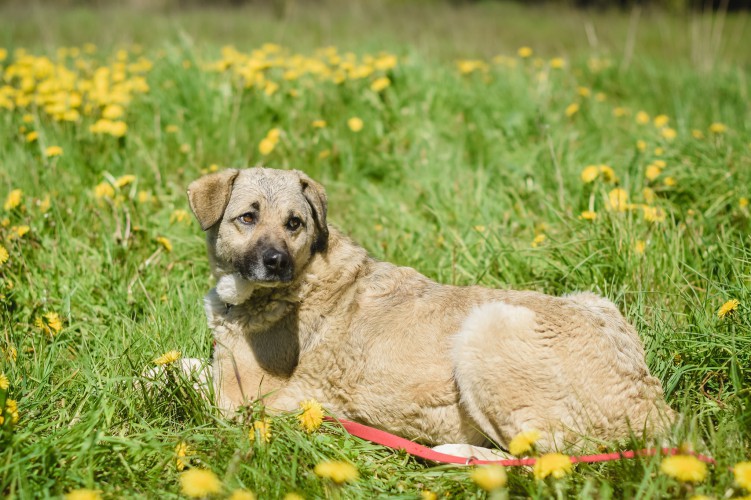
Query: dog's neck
column 329, row 273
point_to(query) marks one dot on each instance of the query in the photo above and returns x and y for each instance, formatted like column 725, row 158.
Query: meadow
column 502, row 145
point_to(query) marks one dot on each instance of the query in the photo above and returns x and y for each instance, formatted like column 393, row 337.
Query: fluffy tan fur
column 386, row 346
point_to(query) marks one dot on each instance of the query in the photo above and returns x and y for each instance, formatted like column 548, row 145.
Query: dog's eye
column 247, row 218
column 293, row 223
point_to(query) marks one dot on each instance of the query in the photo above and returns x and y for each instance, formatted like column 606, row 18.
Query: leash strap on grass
column 395, row 442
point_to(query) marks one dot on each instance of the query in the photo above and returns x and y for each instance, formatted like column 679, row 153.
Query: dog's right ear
column 209, row 195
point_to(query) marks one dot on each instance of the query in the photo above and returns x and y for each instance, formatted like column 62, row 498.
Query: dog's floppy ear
column 209, row 195
column 316, row 197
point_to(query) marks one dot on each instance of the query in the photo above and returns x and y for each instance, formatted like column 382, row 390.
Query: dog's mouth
column 267, row 280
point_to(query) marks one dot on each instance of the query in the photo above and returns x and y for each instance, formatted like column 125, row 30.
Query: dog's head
column 262, row 226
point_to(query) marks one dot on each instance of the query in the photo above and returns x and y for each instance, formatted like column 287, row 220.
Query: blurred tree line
column 282, row 5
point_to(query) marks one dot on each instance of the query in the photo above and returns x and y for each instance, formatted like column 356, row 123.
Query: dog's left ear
column 316, row 197
column 209, row 195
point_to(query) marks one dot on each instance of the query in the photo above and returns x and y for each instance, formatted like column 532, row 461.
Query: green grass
column 452, row 174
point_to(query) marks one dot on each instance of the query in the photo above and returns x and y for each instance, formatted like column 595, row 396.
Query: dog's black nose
column 275, row 261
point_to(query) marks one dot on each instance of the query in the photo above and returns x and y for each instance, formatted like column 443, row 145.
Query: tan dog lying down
column 300, row 311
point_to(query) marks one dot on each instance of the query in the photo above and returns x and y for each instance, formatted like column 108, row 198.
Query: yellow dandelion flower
column 640, row 246
column 270, row 88
column 668, row 133
column 572, row 109
column 728, row 307
column 11, row 353
column 27, row 118
column 185, row 148
column 684, row 468
column 167, row 358
column 165, row 243
column 524, row 52
column 13, row 200
column 697, row 134
column 653, row 214
column 104, row 190
column 319, row 123
column 590, row 173
column 339, row 472
column 743, row 202
column 172, row 129
column 642, row 118
column 355, row 124
column 4, row 255
column 124, row 180
column 263, row 429
column 182, row 450
column 608, row 174
column 274, row 134
column 144, row 197
column 649, row 195
column 179, row 215
column 600, row 97
column 469, row 66
column 539, row 239
column 660, row 163
column 44, row 204
column 641, row 145
column 17, row 232
column 311, row 416
column 380, row 84
column 619, row 112
column 52, row 151
column 661, row 121
column 617, row 200
column 583, row 91
column 742, row 475
column 718, row 128
column 489, row 477
column 324, row 154
column 242, row 495
column 558, row 63
column 196, row 483
column 670, row 181
column 652, row 172
column 659, row 151
column 50, row 323
column 113, row 111
column 266, row 146
column 552, row 464
column 293, row 496
column 32, row 136
column 83, row 494
column 523, row 442
column 120, row 128
column 4, row 383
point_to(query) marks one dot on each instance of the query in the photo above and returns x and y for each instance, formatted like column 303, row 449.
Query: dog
column 302, row 312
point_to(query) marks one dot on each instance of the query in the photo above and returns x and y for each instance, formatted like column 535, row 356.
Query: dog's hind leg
column 508, row 376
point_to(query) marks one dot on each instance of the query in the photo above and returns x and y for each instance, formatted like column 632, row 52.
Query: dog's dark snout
column 275, row 261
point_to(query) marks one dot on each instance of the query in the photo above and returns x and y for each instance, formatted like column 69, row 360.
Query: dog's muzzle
column 267, row 265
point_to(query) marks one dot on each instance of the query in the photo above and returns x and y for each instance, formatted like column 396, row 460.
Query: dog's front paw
column 194, row 370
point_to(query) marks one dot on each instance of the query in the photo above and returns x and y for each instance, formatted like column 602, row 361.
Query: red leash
column 391, row 441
